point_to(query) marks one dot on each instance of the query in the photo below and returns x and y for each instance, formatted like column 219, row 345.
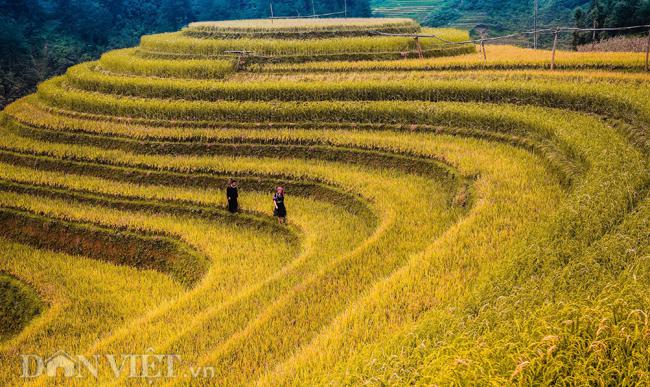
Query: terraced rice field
column 451, row 220
column 416, row 9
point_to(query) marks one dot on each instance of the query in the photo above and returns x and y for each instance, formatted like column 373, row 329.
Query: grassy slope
column 19, row 304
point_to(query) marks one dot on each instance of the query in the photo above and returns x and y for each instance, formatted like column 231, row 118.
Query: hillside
column 498, row 16
column 452, row 219
column 416, row 9
column 42, row 38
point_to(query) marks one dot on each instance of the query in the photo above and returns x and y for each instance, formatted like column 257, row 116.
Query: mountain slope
column 508, row 15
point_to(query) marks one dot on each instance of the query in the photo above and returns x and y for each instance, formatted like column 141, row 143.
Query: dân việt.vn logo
column 149, row 365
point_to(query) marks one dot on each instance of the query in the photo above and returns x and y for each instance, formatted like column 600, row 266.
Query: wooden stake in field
column 593, row 36
column 535, row 24
column 555, row 35
column 647, row 53
column 271, row 5
column 594, row 32
column 483, row 50
column 419, row 47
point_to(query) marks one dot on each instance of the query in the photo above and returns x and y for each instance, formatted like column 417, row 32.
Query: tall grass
column 300, row 28
column 127, row 62
column 347, row 48
column 498, row 57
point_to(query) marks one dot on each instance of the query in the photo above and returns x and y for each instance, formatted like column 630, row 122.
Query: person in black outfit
column 279, row 210
column 232, row 193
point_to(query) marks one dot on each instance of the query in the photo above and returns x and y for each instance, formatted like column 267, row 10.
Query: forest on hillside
column 610, row 13
column 505, row 15
column 518, row 14
column 41, row 38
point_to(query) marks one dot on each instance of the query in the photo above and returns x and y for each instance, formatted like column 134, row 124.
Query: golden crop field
column 452, row 219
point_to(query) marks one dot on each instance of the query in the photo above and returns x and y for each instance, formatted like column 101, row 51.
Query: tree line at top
column 610, row 13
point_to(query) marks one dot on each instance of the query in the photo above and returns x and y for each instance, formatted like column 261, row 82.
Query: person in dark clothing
column 279, row 210
column 232, row 193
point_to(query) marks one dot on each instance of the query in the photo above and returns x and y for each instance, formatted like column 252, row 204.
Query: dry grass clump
column 617, row 44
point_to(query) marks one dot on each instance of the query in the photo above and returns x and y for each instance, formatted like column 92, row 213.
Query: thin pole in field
column 271, row 6
column 647, row 53
column 593, row 33
column 555, row 34
column 345, row 8
column 535, row 25
column 482, row 42
column 419, row 47
column 593, row 36
column 313, row 9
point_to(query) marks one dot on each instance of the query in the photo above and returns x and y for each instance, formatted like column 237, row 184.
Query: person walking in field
column 280, row 211
column 232, row 193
